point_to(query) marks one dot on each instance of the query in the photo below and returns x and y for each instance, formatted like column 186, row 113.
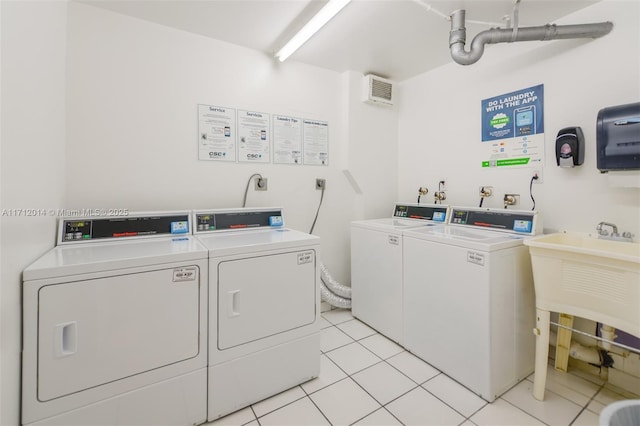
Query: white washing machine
column 376, row 265
column 264, row 306
column 469, row 298
column 114, row 324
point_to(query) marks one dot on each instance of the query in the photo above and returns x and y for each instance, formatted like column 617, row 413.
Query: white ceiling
column 396, row 39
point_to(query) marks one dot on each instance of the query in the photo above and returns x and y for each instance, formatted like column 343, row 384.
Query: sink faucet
column 604, row 232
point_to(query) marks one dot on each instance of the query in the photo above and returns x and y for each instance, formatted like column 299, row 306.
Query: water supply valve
column 486, row 191
column 440, row 196
column 511, row 199
column 422, row 191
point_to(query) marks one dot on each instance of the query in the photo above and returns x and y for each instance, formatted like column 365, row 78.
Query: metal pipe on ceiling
column 457, row 36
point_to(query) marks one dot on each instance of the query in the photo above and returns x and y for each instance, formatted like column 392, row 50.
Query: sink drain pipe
column 458, row 36
column 591, row 355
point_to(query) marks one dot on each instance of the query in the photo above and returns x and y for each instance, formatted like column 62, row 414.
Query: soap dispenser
column 570, row 147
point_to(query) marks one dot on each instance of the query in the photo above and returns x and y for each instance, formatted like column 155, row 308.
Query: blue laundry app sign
column 180, row 227
column 513, row 128
column 275, row 220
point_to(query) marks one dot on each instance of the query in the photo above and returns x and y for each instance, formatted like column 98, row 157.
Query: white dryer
column 469, row 298
column 114, row 324
column 264, row 306
column 376, row 265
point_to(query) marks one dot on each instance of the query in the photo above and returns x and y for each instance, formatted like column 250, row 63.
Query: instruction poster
column 513, row 129
column 287, row 140
column 217, row 133
column 253, row 134
column 316, row 142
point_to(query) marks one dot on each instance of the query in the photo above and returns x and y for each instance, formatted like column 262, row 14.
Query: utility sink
column 583, row 244
column 588, row 277
column 580, row 275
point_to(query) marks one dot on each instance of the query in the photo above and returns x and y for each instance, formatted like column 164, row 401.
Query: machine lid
column 477, row 239
column 256, row 240
column 392, row 223
column 406, row 215
column 74, row 259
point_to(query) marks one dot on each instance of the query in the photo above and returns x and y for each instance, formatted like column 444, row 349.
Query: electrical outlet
column 511, row 199
column 260, row 184
column 537, row 172
column 486, row 191
column 321, row 183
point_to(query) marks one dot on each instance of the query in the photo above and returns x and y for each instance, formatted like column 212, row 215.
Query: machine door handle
column 65, row 339
column 234, row 303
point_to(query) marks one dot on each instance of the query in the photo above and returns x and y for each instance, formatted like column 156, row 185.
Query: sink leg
column 542, row 353
column 563, row 342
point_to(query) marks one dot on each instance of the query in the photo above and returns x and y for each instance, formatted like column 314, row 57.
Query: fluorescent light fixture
column 325, row 14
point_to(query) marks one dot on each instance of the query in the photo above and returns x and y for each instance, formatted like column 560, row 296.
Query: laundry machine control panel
column 520, row 222
column 433, row 212
column 237, row 219
column 76, row 230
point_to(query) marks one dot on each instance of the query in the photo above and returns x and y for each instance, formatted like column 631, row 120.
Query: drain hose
column 332, row 291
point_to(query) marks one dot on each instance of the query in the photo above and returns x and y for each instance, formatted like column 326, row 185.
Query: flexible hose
column 317, row 211
column 331, row 291
column 531, row 192
column 334, row 286
column 246, row 191
column 333, row 299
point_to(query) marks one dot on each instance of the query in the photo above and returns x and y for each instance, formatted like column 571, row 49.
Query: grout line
column 282, row 406
column 418, row 385
column 392, row 415
column 593, row 397
column 308, row 395
column 321, row 412
column 522, row 409
column 326, row 386
column 254, row 415
column 447, row 404
column 401, row 395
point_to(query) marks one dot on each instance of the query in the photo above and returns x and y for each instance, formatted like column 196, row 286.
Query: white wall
column 120, row 130
column 33, row 161
column 133, row 91
column 440, row 133
column 373, row 151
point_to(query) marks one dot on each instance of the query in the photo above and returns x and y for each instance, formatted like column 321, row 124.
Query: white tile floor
column 366, row 379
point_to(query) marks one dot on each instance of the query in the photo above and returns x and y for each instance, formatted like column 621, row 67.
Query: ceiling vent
column 378, row 90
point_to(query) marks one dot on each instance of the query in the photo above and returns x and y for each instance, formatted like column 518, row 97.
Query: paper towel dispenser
column 618, row 138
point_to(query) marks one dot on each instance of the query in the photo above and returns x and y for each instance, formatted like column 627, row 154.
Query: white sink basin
column 580, row 275
column 588, row 277
column 587, row 245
